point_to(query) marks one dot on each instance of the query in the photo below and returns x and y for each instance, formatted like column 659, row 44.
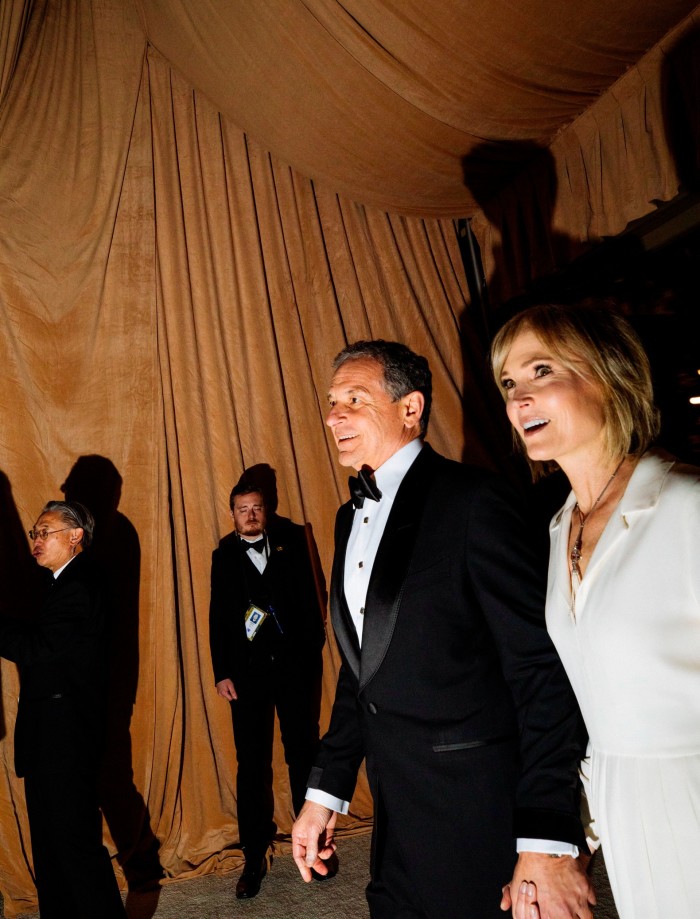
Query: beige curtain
column 79, row 375
column 384, row 100
column 14, row 17
column 633, row 149
column 171, row 297
column 172, row 294
column 553, row 129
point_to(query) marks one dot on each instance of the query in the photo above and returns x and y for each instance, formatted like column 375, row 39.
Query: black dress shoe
column 333, row 864
column 249, row 882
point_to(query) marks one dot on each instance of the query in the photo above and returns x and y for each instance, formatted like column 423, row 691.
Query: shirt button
column 360, row 564
column 366, row 520
column 362, row 611
column 372, row 708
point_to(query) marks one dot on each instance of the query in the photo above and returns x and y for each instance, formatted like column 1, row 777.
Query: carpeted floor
column 285, row 896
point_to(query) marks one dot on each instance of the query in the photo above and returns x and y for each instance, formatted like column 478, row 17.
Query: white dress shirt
column 368, row 528
column 259, row 559
column 63, row 567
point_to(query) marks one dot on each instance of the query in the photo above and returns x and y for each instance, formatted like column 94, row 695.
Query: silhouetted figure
column 530, row 262
column 22, row 580
column 520, row 175
column 681, row 101
column 95, row 481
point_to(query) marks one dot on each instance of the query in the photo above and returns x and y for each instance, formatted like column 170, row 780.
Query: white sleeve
column 321, row 797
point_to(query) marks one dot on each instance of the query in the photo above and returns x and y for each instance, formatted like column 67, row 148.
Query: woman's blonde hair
column 611, row 353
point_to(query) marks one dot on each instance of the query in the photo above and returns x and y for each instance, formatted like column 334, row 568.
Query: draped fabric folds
column 382, row 99
column 550, row 126
column 178, row 268
column 13, row 23
column 635, row 147
column 172, row 296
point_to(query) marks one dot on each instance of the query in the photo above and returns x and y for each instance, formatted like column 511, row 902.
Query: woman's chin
column 537, row 455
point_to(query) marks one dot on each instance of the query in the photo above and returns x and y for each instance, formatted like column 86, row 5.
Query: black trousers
column 442, row 847
column 293, row 689
column 72, row 868
column 393, row 893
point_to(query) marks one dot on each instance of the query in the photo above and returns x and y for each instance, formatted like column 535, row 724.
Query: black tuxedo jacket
column 287, row 585
column 455, row 665
column 61, row 654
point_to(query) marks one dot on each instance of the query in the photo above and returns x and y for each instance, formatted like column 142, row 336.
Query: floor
column 285, row 896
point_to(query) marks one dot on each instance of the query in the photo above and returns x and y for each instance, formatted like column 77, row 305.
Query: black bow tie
column 259, row 545
column 363, row 486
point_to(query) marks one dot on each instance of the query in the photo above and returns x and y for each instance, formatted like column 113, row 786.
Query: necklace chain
column 578, row 542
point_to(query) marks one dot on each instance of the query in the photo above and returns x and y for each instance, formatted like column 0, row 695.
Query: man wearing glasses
column 60, row 652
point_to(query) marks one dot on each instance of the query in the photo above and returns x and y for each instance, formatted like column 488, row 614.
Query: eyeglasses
column 44, row 534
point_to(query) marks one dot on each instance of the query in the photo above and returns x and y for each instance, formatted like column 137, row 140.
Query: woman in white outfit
column 623, row 599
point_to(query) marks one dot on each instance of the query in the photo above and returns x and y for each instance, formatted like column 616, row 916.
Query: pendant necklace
column 582, row 519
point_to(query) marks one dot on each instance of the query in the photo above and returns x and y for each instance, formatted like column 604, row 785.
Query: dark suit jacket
column 455, row 664
column 60, row 651
column 287, row 584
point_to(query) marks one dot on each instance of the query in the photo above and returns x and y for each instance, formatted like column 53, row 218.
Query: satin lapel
column 344, row 630
column 391, row 564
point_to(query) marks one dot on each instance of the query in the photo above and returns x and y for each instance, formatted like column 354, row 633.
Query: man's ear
column 76, row 536
column 413, row 405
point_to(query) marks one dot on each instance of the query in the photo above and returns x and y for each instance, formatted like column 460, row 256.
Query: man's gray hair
column 74, row 514
column 404, row 370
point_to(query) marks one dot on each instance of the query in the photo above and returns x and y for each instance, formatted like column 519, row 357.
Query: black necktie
column 259, row 546
column 363, row 486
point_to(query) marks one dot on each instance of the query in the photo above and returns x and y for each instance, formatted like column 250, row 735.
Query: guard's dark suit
column 58, row 743
column 457, row 698
column 280, row 668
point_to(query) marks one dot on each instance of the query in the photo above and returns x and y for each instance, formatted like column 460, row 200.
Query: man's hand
column 549, row 888
column 227, row 690
column 312, row 838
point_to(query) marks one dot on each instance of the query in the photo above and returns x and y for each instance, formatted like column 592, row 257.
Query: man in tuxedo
column 449, row 686
column 266, row 635
column 61, row 654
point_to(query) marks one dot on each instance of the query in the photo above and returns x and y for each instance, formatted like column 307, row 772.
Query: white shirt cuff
column 320, row 797
column 546, row 847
